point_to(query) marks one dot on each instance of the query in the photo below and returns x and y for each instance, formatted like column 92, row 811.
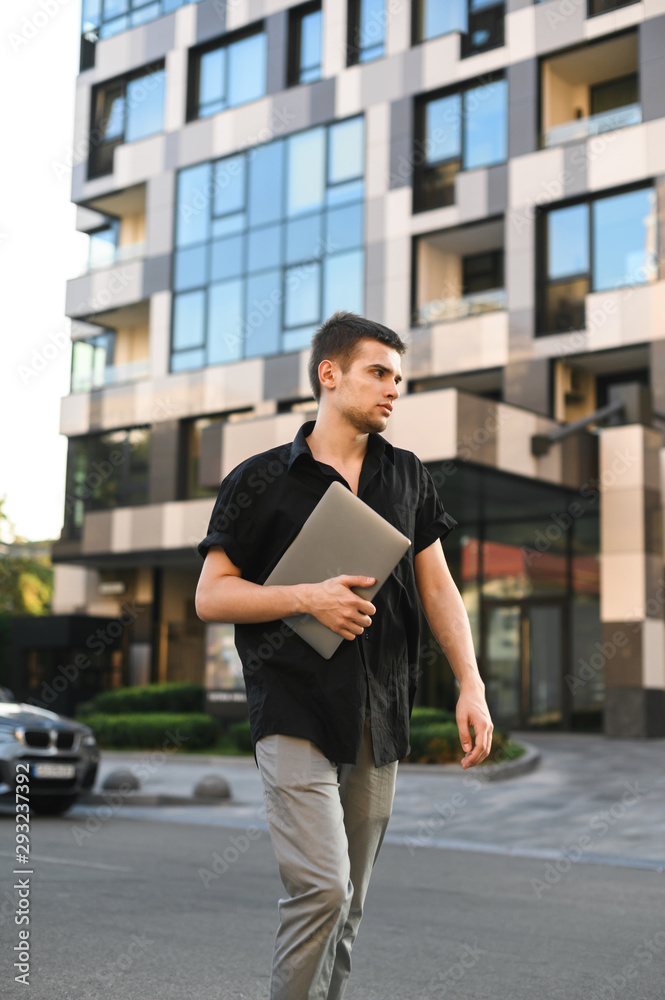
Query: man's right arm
column 222, row 595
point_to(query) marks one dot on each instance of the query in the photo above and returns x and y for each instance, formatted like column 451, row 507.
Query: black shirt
column 291, row 689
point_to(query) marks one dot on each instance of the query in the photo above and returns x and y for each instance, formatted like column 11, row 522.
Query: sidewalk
column 590, row 797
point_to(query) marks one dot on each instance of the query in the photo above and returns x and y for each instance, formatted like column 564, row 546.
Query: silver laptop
column 341, row 535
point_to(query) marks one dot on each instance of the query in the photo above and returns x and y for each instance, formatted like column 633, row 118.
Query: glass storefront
column 525, row 558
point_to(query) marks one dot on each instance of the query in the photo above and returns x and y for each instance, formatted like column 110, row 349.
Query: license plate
column 53, row 770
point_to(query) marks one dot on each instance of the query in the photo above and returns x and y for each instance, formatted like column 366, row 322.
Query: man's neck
column 334, row 439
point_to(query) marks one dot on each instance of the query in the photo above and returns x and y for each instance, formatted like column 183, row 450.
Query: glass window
column 343, row 280
column 186, row 360
column 190, row 268
column 443, row 128
column 367, row 28
column 345, row 150
column 102, row 247
column 193, row 197
column 145, row 106
column 111, row 28
column 225, row 322
column 212, row 86
column 145, row 14
column 227, row 224
column 568, row 241
column 485, row 112
column 265, row 183
column 263, row 276
column 306, row 178
column 114, row 7
column 112, row 124
column 440, row 18
column 264, row 249
column 344, row 227
column 303, row 290
column 264, row 313
column 310, row 47
column 228, row 257
column 624, row 239
column 91, row 14
column 303, row 238
column 229, row 185
column 188, row 312
column 247, row 69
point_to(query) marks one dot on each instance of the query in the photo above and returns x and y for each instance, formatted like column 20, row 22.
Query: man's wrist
column 472, row 682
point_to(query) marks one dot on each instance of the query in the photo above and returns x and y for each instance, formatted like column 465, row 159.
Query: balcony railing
column 582, row 128
column 443, row 310
column 112, row 256
column 131, row 371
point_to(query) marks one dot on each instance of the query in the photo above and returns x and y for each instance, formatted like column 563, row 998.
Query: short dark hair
column 337, row 339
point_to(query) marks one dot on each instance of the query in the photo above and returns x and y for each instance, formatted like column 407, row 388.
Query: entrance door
column 522, row 664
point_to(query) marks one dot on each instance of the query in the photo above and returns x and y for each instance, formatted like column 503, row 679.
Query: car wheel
column 52, row 805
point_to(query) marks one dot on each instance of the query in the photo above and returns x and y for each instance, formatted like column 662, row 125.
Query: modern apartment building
column 487, row 179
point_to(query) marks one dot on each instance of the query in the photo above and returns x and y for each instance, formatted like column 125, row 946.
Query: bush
column 239, row 734
column 439, row 743
column 154, row 730
column 421, row 716
column 171, row 697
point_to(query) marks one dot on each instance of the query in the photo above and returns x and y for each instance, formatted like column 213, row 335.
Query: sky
column 39, row 250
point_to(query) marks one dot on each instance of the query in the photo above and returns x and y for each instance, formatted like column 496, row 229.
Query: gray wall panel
column 651, row 55
column 522, row 107
column 210, row 20
column 276, row 28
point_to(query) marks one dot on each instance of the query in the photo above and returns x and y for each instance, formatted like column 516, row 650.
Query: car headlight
column 88, row 740
column 7, row 736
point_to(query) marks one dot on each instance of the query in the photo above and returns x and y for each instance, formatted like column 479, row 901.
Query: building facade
column 486, row 179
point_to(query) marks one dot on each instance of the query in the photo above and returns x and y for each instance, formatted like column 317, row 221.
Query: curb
column 137, row 799
column 502, row 771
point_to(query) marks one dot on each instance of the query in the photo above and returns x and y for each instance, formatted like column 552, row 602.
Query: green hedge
column 155, row 730
column 172, row 697
column 238, row 733
column 422, row 716
column 439, row 743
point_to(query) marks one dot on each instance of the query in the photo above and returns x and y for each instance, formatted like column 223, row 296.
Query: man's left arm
column 449, row 621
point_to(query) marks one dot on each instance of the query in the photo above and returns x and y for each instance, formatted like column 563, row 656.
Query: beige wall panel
column 622, row 586
column 622, row 521
column 426, row 423
column 653, row 663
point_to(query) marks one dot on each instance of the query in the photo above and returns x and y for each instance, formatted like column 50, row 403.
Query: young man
column 328, row 734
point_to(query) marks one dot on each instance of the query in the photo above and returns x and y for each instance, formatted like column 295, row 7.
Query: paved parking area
column 593, row 797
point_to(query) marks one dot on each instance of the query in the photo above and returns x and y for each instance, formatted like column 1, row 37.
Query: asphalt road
column 124, row 912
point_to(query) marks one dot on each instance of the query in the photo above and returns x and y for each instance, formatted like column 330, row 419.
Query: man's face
column 365, row 393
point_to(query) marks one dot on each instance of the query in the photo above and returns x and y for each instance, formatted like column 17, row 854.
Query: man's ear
column 327, row 374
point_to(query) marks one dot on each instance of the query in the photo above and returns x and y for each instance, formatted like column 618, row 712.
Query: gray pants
column 327, row 823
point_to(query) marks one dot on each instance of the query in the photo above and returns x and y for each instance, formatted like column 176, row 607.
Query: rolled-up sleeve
column 230, row 522
column 432, row 520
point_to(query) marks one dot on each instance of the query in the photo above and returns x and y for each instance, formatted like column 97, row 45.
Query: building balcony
column 591, row 89
column 584, row 128
column 444, row 310
column 114, row 352
column 131, row 371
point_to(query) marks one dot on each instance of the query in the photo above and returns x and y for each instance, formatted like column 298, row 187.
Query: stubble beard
column 364, row 423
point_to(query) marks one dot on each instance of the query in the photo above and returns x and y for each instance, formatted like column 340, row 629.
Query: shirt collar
column 376, row 444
